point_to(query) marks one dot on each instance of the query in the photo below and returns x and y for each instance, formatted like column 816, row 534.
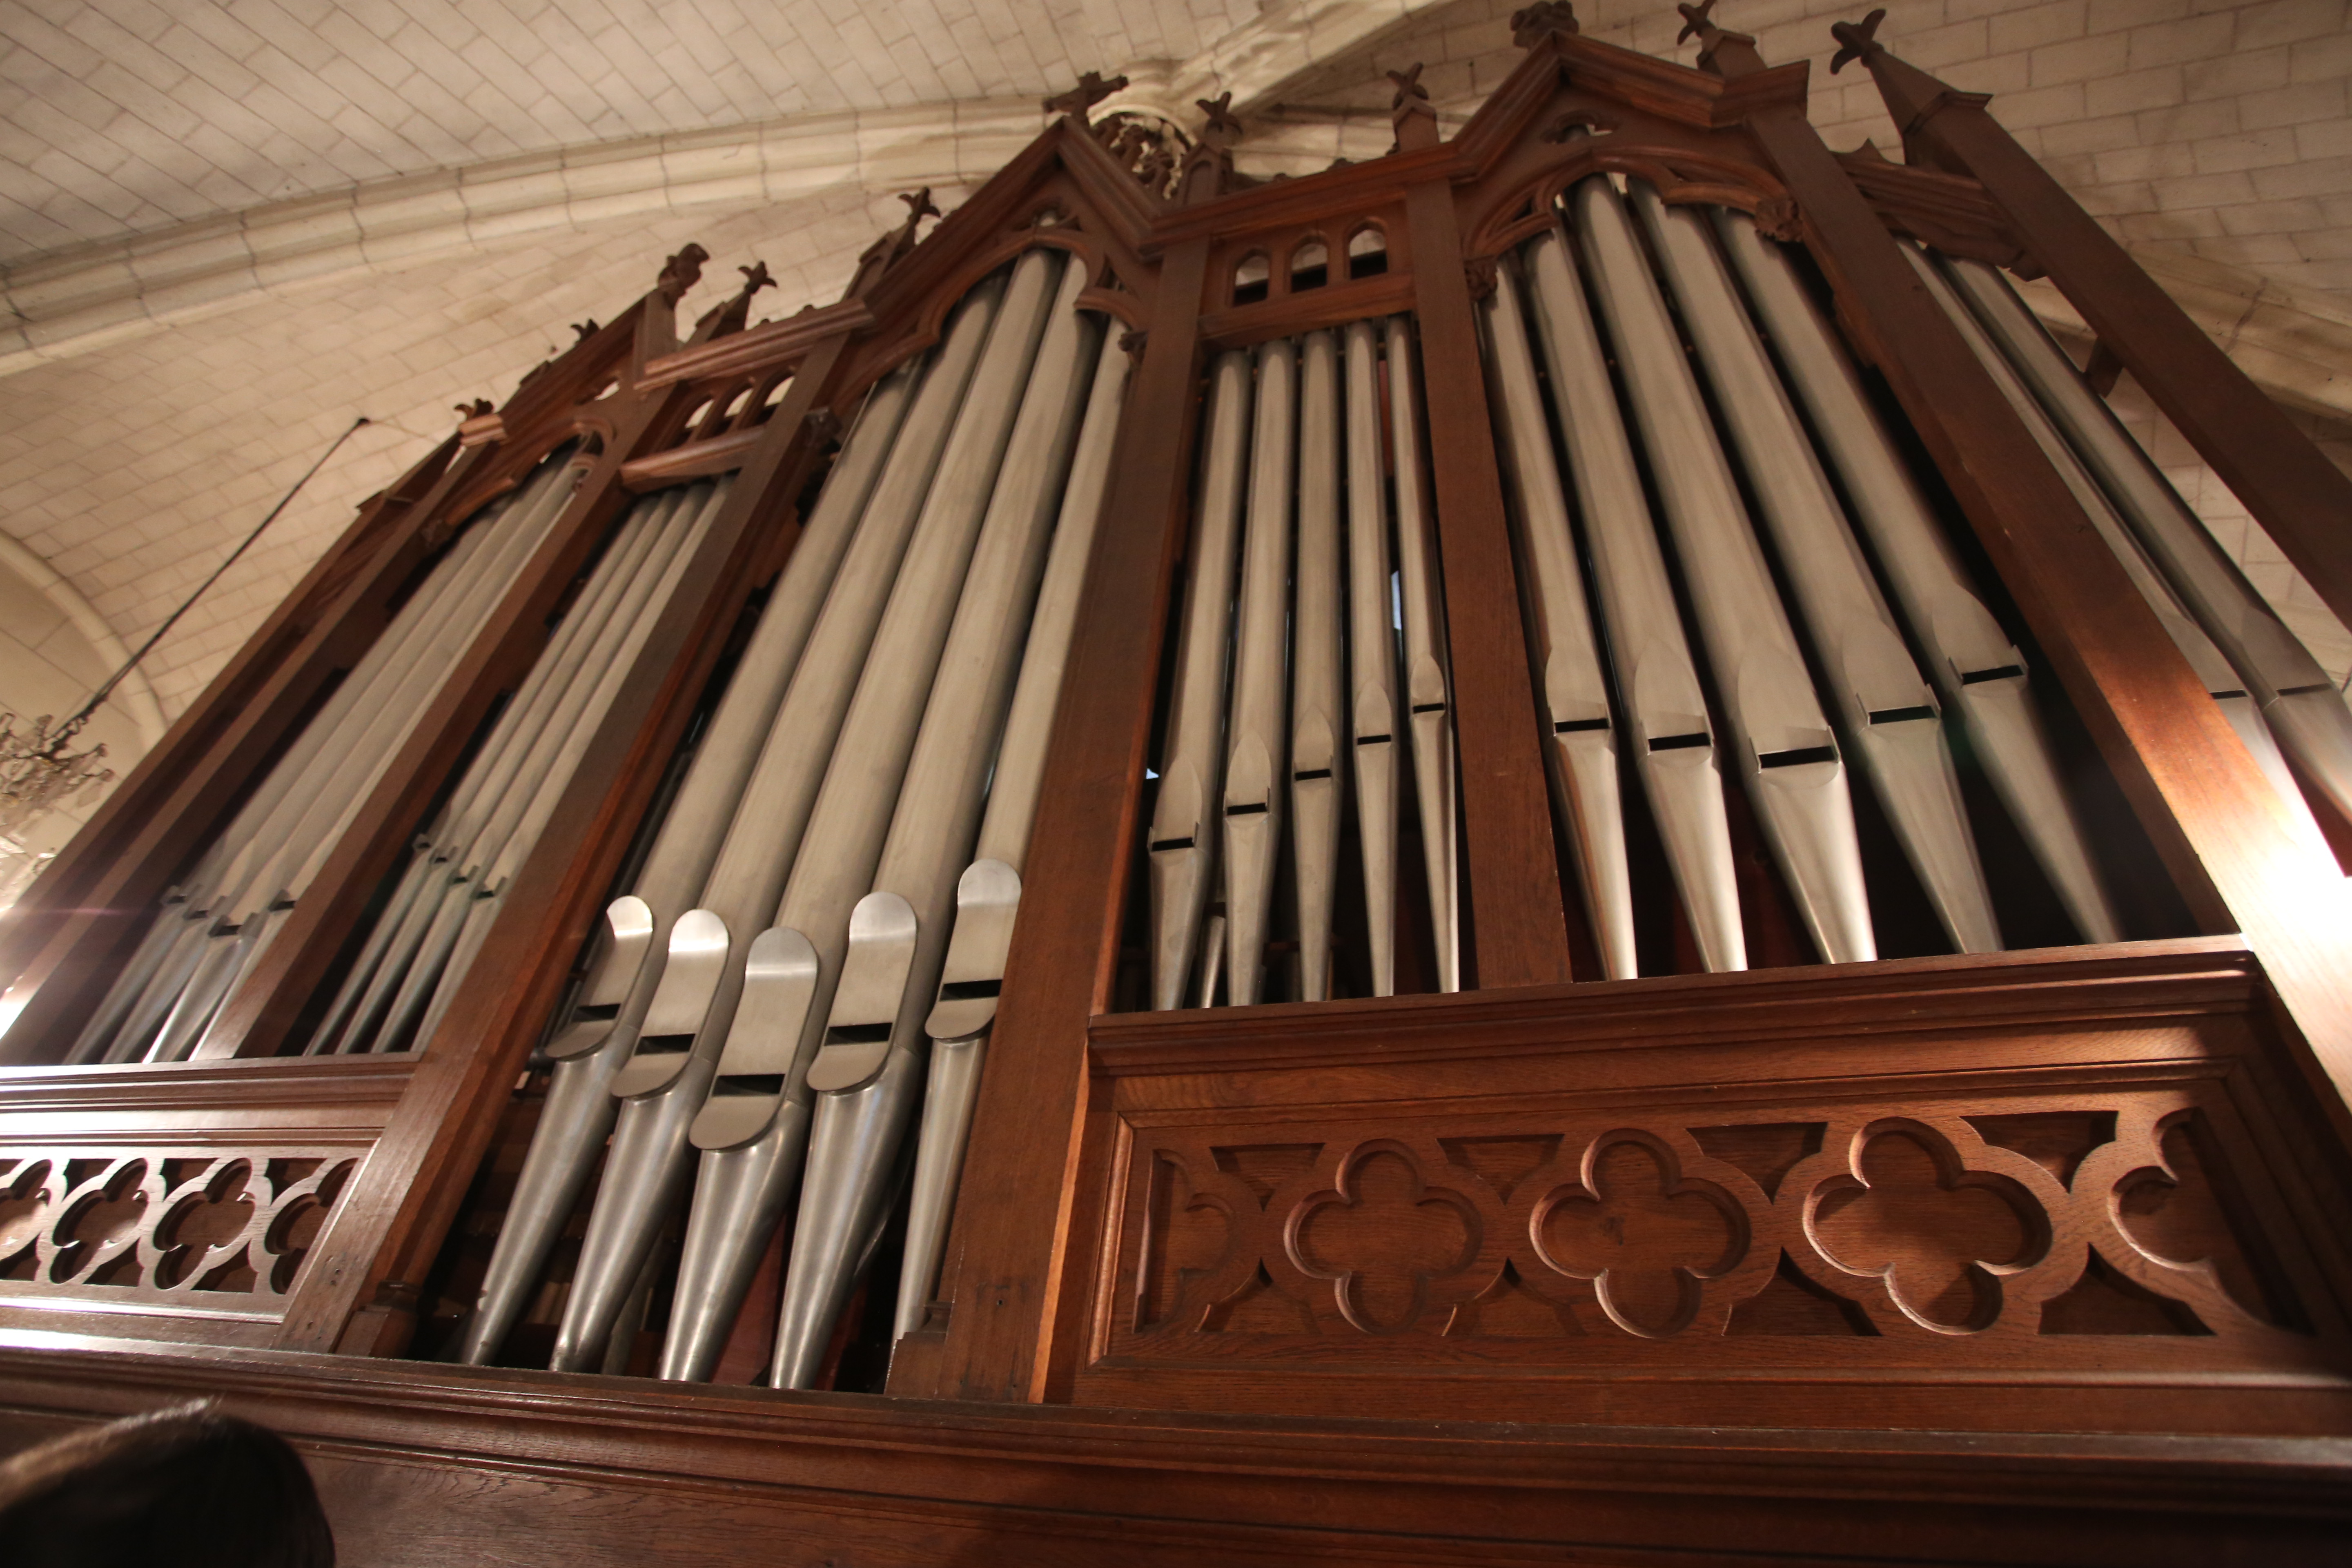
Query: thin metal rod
column 1317, row 717
column 1421, row 602
column 1373, row 737
column 1258, row 736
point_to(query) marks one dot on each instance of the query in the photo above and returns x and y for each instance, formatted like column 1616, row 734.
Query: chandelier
column 40, row 771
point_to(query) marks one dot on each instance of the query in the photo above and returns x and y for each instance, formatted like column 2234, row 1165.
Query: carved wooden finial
column 1694, row 20
column 1539, row 21
column 919, row 205
column 1092, row 89
column 680, row 273
column 1222, row 123
column 586, row 329
column 755, row 277
column 476, row 409
column 1408, row 86
column 1856, row 41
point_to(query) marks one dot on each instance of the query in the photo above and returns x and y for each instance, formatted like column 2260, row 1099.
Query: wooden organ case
column 1543, row 848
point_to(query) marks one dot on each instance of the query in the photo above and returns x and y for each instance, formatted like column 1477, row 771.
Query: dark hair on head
column 188, row 1486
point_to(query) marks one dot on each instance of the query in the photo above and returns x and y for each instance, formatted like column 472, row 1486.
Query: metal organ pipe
column 988, row 894
column 1658, row 687
column 1318, row 720
column 662, row 1083
column 180, row 979
column 1889, row 711
column 1787, row 753
column 1183, row 840
column 2203, row 657
column 1372, row 653
column 299, row 762
column 425, row 916
column 1584, row 751
column 869, row 1068
column 594, row 1040
column 1978, row 672
column 1428, row 675
column 2305, row 711
column 752, row 1128
column 1254, row 806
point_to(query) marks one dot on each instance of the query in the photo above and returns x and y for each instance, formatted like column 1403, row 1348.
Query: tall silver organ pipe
column 752, row 1127
column 988, row 894
column 1318, row 721
column 1889, row 711
column 1980, row 673
column 869, row 1068
column 1787, row 755
column 1255, row 747
column 1575, row 701
column 668, row 1074
column 167, row 995
column 1185, row 819
column 2204, row 657
column 2306, row 713
column 1371, row 698
column 1429, row 681
column 596, row 1037
column 1658, row 690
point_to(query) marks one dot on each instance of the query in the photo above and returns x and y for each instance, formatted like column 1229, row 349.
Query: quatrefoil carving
column 1646, row 1235
column 1380, row 1234
column 1941, row 1237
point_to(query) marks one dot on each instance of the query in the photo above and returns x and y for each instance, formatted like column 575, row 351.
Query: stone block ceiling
column 227, row 229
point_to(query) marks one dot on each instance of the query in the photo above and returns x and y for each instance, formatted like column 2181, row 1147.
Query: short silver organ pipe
column 1978, row 672
column 1583, row 750
column 1658, row 690
column 1890, row 714
column 1786, row 752
column 594, row 1040
column 2305, row 711
column 1258, row 740
column 988, row 894
column 2212, row 668
column 666, row 1075
column 1184, row 841
column 1372, row 758
column 869, row 1068
column 1428, row 682
column 754, row 1125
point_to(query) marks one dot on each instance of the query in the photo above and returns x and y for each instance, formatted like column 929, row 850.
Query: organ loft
column 1546, row 848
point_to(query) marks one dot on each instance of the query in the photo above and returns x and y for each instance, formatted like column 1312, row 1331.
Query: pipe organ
column 1573, row 777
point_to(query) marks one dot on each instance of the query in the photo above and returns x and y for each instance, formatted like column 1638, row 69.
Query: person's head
column 187, row 1488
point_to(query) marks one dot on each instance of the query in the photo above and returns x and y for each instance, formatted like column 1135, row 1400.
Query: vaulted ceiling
column 227, row 229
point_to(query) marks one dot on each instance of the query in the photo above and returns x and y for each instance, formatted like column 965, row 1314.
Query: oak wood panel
column 1519, row 924
column 1003, row 1264
column 424, row 1465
